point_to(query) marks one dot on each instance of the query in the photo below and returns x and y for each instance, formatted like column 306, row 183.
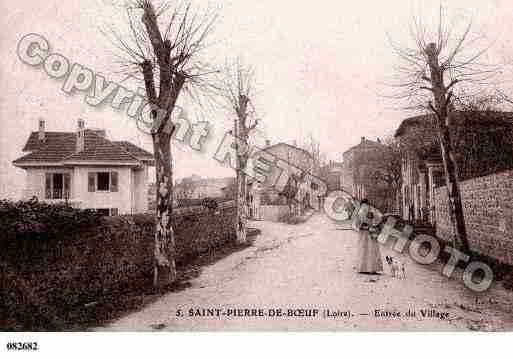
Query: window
column 102, row 181
column 438, row 179
column 57, row 185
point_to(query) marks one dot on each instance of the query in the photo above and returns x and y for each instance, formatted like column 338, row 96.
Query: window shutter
column 66, row 185
column 113, row 181
column 91, row 181
column 48, row 186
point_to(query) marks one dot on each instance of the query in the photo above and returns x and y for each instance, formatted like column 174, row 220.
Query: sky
column 320, row 70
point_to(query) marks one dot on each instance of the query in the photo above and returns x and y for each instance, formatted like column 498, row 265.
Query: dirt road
column 301, row 277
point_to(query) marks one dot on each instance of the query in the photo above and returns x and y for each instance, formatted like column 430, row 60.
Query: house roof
column 365, row 143
column 421, row 120
column 493, row 118
column 60, row 147
column 134, row 150
column 61, row 138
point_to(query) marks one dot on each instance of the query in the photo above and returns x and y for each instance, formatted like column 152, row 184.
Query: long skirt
column 369, row 255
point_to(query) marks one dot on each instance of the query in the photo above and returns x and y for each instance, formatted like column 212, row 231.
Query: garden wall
column 112, row 257
column 488, row 211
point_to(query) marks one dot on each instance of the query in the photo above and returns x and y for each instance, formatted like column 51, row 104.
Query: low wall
column 55, row 275
column 488, row 211
column 272, row 213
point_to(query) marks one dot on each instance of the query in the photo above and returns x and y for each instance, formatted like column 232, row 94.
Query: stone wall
column 488, row 210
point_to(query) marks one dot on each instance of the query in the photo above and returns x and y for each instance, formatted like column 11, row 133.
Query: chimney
column 267, row 143
column 379, row 140
column 363, row 139
column 80, row 136
column 41, row 133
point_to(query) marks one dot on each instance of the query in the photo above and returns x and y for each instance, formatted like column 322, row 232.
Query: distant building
column 333, row 175
column 358, row 165
column 482, row 145
column 267, row 194
column 86, row 169
column 195, row 187
column 230, row 190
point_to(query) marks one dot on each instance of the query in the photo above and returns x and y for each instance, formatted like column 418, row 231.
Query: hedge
column 56, row 258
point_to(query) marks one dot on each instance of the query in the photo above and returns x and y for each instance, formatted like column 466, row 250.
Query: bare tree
column 289, row 192
column 313, row 146
column 237, row 90
column 166, row 55
column 386, row 168
column 438, row 62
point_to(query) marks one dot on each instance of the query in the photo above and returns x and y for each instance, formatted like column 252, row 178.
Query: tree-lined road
column 310, row 266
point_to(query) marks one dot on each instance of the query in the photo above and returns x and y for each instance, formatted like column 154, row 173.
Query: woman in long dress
column 369, row 255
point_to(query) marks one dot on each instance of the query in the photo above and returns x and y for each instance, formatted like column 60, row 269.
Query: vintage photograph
column 270, row 166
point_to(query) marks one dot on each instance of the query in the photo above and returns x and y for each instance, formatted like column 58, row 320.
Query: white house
column 87, row 170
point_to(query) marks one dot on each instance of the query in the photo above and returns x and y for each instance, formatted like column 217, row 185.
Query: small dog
column 396, row 267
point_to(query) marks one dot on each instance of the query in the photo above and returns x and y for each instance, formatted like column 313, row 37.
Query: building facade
column 195, row 187
column 359, row 165
column 297, row 186
column 333, row 175
column 86, row 170
column 482, row 144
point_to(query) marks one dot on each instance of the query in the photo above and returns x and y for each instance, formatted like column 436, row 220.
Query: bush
column 210, row 204
column 187, row 202
column 34, row 220
column 46, row 284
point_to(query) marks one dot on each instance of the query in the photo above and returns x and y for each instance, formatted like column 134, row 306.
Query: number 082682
column 22, row 346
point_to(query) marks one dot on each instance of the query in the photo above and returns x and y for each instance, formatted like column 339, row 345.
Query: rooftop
column 366, row 143
column 485, row 118
column 60, row 147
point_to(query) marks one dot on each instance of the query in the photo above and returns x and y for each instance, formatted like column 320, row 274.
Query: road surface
column 301, row 277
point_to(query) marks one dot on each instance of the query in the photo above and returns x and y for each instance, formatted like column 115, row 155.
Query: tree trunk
column 240, row 221
column 164, row 268
column 241, row 208
column 453, row 191
column 442, row 103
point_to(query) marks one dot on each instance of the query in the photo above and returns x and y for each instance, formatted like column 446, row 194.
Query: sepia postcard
column 255, row 166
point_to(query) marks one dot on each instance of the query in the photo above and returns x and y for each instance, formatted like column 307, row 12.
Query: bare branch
column 237, row 90
column 459, row 58
column 453, row 82
column 147, row 70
